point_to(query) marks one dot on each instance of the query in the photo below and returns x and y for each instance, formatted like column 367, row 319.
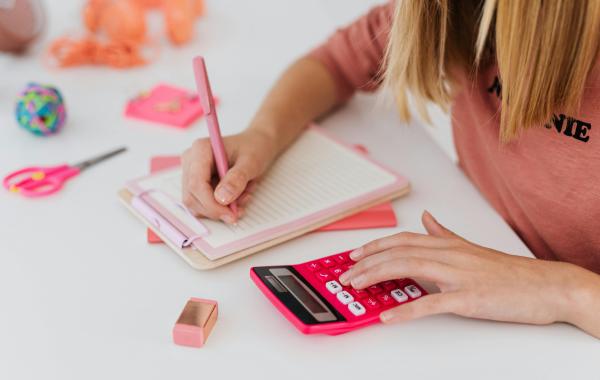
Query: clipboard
column 197, row 253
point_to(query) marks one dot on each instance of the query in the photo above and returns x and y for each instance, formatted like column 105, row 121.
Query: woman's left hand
column 474, row 281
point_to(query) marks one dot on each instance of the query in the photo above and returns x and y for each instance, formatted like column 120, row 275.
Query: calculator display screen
column 299, row 291
column 297, row 295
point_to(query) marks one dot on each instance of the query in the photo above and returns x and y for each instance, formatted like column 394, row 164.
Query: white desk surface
column 83, row 296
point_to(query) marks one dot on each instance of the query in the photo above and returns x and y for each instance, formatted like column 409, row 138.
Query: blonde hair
column 544, row 50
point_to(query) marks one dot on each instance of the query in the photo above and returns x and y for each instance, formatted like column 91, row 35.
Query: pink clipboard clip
column 208, row 105
column 163, row 223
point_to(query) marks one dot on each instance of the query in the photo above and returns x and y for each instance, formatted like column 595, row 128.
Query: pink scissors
column 36, row 181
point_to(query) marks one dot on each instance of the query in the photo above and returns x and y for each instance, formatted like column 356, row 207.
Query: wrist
column 267, row 130
column 264, row 142
column 279, row 130
column 583, row 300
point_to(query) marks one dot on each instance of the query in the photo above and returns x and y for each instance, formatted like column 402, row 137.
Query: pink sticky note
column 166, row 104
column 375, row 217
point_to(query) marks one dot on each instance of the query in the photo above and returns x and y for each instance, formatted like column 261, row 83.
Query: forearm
column 304, row 92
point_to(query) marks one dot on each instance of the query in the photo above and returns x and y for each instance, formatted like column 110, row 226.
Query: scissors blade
column 93, row 161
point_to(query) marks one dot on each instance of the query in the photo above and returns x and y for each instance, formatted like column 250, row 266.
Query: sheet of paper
column 379, row 216
column 312, row 175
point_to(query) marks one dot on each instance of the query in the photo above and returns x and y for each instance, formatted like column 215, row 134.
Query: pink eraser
column 195, row 322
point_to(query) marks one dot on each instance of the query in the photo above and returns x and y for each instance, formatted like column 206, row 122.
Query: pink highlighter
column 208, row 105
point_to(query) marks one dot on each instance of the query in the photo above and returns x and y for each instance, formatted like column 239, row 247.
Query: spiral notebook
column 318, row 180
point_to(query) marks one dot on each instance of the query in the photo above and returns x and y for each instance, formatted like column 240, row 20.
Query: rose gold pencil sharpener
column 195, row 322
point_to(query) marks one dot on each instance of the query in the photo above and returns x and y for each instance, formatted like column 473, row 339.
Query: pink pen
column 208, row 105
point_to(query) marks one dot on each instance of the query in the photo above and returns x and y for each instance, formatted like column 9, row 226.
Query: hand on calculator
column 310, row 296
column 347, row 291
column 475, row 281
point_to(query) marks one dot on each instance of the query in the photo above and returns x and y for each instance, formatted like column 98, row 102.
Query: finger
column 244, row 199
column 191, row 203
column 400, row 239
column 235, row 181
column 199, row 152
column 428, row 305
column 434, row 228
column 441, row 256
column 188, row 185
column 402, row 268
column 198, row 197
column 251, row 187
column 203, row 204
column 197, row 163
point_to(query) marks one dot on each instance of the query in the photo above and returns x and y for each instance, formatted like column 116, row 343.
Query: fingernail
column 345, row 277
column 358, row 281
column 228, row 219
column 385, row 316
column 429, row 214
column 223, row 194
column 354, row 255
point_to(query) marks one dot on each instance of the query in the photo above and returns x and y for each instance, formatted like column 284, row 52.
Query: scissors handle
column 35, row 182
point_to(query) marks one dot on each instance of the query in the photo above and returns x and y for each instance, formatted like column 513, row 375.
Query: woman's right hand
column 305, row 91
column 249, row 154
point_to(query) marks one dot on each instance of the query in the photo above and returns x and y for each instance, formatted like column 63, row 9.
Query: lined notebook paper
column 315, row 178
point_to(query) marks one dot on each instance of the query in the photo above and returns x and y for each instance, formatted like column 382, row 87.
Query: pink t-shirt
column 546, row 184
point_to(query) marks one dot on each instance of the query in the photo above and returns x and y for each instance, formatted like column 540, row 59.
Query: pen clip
column 203, row 85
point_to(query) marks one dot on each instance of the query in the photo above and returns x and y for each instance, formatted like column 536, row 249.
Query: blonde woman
column 522, row 83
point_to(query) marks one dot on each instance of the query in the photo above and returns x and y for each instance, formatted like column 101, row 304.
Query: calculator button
column 413, row 291
column 356, row 308
column 389, row 285
column 324, row 276
column 327, row 262
column 313, row 266
column 385, row 299
column 399, row 295
column 374, row 289
column 341, row 258
column 359, row 293
column 345, row 297
column 371, row 303
column 333, row 287
column 337, row 272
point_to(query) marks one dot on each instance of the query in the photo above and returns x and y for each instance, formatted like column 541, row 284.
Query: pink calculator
column 310, row 296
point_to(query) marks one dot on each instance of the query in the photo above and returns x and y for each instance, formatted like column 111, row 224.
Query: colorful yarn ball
column 40, row 109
